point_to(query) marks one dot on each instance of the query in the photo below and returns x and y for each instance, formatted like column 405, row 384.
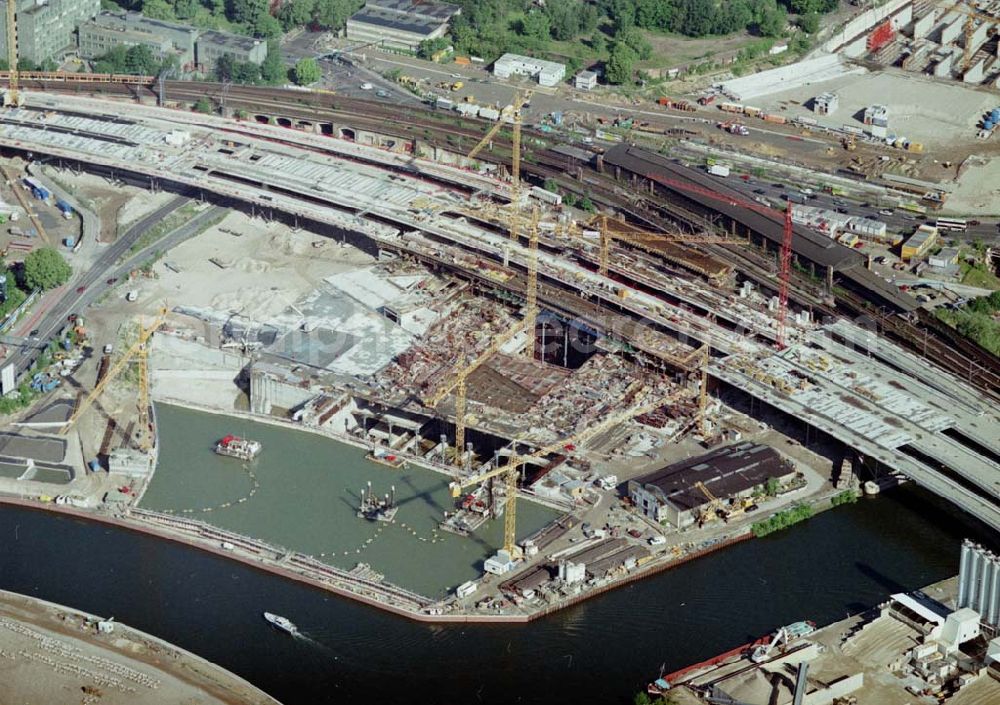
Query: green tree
column 772, row 486
column 636, row 41
column 306, row 71
column 45, row 268
column 296, row 13
column 695, row 18
column 773, row 22
column 622, row 13
column 158, row 10
column 565, row 18
column 273, row 71
column 185, row 9
column 429, row 47
column 139, row 60
column 333, row 14
column 599, row 44
column 535, row 25
column 204, row 105
column 620, row 66
column 809, row 22
column 654, row 14
column 112, row 62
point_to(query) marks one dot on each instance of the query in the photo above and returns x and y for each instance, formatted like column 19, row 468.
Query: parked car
column 33, row 333
column 759, row 191
column 81, row 289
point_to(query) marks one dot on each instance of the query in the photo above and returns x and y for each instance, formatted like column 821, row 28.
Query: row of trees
column 782, row 520
column 248, row 16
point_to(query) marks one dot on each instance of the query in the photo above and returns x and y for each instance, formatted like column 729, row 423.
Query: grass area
column 978, row 320
column 166, row 226
column 979, row 275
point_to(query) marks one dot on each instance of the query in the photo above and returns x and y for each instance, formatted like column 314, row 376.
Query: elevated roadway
column 408, row 212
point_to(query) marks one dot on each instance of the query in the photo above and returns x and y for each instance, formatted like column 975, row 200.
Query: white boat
column 237, row 447
column 282, row 623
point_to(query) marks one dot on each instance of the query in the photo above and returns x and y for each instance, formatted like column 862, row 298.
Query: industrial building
column 45, row 30
column 585, row 81
column 979, row 583
column 919, row 243
column 677, row 493
column 213, row 45
column 110, row 29
column 548, row 73
column 946, row 257
column 195, row 49
column 826, row 103
column 400, row 24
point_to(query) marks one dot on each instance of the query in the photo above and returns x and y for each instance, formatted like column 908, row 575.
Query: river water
column 600, row 651
column 307, row 499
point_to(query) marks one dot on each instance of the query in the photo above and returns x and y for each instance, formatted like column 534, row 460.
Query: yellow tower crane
column 138, row 348
column 969, row 28
column 457, row 385
column 611, row 229
column 512, row 468
column 13, row 97
column 515, row 157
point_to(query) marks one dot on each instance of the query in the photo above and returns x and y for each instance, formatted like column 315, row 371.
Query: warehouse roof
column 405, row 15
column 725, row 472
column 807, row 244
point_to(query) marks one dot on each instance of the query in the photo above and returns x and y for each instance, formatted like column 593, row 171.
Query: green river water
column 308, row 496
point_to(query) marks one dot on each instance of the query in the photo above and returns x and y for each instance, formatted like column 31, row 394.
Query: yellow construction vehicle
column 457, row 86
column 715, row 506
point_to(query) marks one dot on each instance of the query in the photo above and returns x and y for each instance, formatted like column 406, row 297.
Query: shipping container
column 806, row 121
column 443, row 104
column 706, row 100
column 750, row 111
column 718, row 170
column 776, row 119
column 731, row 107
column 489, row 114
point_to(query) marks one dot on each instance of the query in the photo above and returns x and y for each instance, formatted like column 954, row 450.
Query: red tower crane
column 785, row 258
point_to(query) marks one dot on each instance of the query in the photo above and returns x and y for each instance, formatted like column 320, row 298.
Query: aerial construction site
column 542, row 401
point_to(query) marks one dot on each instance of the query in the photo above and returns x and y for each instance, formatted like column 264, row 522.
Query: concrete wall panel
column 943, row 67
column 863, row 22
column 975, row 73
column 952, row 31
column 902, row 18
column 924, row 25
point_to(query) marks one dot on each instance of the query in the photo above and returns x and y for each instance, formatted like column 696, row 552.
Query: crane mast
column 13, row 96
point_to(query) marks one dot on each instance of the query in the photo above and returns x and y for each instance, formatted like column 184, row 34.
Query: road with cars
column 85, row 288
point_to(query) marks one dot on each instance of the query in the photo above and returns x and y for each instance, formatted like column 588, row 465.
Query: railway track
column 925, row 336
